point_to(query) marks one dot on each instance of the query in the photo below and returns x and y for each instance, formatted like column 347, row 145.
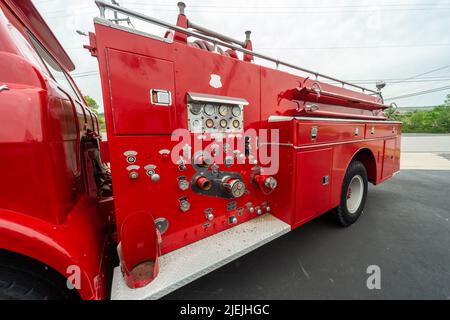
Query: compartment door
column 132, row 77
column 389, row 158
column 313, row 183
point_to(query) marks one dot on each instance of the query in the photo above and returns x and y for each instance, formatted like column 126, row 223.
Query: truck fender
column 41, row 241
column 367, row 158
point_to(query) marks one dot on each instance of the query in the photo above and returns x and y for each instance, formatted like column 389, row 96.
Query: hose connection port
column 203, row 183
column 235, row 187
column 267, row 184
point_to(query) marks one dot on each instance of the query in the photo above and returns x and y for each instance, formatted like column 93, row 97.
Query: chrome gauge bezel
column 215, row 118
column 223, row 110
column 236, row 111
column 209, row 109
column 196, row 109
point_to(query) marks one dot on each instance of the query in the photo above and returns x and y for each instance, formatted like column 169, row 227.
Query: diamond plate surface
column 189, row 263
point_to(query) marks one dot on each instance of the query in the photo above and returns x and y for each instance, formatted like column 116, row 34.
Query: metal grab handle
column 4, row 88
column 207, row 32
column 214, row 34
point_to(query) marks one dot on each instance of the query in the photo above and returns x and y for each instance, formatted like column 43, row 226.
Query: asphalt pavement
column 404, row 233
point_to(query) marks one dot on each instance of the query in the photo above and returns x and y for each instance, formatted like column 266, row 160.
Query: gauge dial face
column 236, row 123
column 209, row 110
column 196, row 109
column 236, row 111
column 223, row 111
column 209, row 123
column 196, row 124
column 223, row 123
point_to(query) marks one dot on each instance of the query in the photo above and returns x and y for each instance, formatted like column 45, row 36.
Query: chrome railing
column 222, row 40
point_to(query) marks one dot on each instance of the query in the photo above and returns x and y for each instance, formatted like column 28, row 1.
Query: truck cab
column 51, row 171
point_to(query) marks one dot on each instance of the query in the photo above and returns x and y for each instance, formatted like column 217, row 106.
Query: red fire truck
column 209, row 155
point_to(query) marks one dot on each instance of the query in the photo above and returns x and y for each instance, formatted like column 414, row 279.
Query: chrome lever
column 4, row 88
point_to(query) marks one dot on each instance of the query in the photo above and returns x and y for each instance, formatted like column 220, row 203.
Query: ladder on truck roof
column 233, row 44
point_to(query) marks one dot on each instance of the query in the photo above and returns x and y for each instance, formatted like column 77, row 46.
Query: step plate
column 189, row 263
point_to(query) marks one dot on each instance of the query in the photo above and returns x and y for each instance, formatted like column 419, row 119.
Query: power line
column 419, row 5
column 360, row 82
column 421, row 74
column 419, row 93
column 358, row 47
column 84, row 76
column 256, row 11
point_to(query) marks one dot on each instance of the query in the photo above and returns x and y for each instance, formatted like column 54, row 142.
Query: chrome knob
column 155, row 177
column 271, row 183
column 185, row 205
column 183, row 184
column 133, row 175
column 259, row 211
column 232, row 220
column 251, row 209
column 210, row 216
column 267, row 209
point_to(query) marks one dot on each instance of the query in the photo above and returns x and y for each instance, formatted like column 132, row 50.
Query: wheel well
column 37, row 268
column 366, row 157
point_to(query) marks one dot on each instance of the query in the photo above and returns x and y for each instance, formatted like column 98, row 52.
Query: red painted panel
column 313, row 193
column 132, row 77
column 161, row 199
column 194, row 69
column 282, row 200
column 376, row 130
column 329, row 132
column 398, row 148
column 389, row 158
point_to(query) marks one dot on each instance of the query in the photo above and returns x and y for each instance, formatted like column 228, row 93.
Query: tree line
column 436, row 120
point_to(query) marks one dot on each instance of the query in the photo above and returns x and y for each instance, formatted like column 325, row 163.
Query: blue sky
column 399, row 41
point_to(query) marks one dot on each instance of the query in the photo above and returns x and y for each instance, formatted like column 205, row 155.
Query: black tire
column 30, row 281
column 346, row 217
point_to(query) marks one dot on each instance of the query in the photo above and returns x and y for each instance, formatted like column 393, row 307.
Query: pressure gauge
column 209, row 123
column 196, row 124
column 223, row 111
column 223, row 123
column 236, row 124
column 196, row 109
column 209, row 110
column 236, row 111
